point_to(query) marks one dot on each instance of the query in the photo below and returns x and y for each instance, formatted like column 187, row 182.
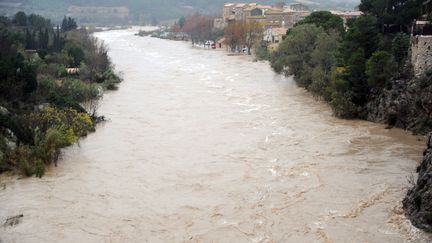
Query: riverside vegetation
column 345, row 68
column 51, row 79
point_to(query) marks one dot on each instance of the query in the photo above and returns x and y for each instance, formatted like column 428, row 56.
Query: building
column 235, row 11
column 275, row 35
column 421, row 42
column 346, row 15
column 286, row 18
column 219, row 23
column 269, row 16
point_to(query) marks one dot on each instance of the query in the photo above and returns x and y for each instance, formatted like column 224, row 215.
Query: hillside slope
column 150, row 9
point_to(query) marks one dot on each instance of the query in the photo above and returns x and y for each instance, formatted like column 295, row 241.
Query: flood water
column 202, row 147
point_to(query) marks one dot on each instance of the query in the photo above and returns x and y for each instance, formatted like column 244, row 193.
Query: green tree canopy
column 393, row 12
column 326, row 20
column 76, row 52
column 380, row 68
column 68, row 24
column 20, row 19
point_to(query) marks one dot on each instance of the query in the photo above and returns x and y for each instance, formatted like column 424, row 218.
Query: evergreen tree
column 27, row 39
column 393, row 12
column 46, row 39
column 20, row 19
column 182, row 22
column 72, row 25
column 68, row 24
column 57, row 40
column 40, row 39
column 64, row 24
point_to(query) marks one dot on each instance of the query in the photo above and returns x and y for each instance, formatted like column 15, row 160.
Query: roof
column 264, row 6
column 275, row 11
column 279, row 31
column 347, row 13
column 240, row 5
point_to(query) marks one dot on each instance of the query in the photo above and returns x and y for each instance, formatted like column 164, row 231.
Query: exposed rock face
column 418, row 202
column 421, row 54
column 407, row 104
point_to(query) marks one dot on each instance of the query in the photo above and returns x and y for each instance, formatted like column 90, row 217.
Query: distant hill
column 140, row 11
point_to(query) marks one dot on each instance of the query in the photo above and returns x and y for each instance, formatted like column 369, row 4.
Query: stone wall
column 421, row 54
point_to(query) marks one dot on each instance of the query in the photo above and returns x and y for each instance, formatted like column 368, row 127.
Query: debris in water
column 12, row 221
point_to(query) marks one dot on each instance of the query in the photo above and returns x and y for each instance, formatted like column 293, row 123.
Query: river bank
column 52, row 80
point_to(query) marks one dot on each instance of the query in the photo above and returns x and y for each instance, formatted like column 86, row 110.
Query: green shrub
column 78, row 91
column 76, row 52
column 80, row 123
column 262, row 53
column 48, row 145
column 400, row 47
column 62, row 102
column 53, row 129
column 343, row 106
column 110, row 80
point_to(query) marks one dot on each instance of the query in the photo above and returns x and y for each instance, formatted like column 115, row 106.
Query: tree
column 199, row 27
column 76, row 52
column 356, row 77
column 295, row 52
column 380, row 68
column 29, row 41
column 230, row 34
column 72, row 24
column 362, row 34
column 20, row 19
column 182, row 22
column 326, row 20
column 38, row 22
column 58, row 40
column 28, row 76
column 253, row 33
column 68, row 24
column 236, row 34
column 393, row 12
column 360, row 41
column 323, row 61
column 400, row 46
column 46, row 39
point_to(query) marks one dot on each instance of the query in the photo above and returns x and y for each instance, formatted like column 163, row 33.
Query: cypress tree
column 64, row 25
column 46, row 39
column 40, row 42
column 28, row 40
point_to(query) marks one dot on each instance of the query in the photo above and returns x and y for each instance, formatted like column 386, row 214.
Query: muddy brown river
column 203, row 147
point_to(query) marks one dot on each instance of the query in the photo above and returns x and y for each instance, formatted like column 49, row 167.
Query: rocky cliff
column 407, row 105
column 418, row 202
